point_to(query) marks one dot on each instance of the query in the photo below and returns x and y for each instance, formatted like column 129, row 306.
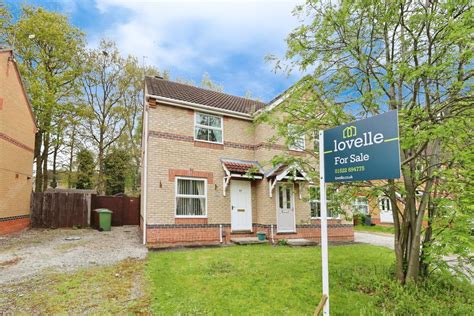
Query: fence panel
column 59, row 209
column 126, row 210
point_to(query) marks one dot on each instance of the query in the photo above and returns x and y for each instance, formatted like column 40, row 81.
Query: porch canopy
column 282, row 173
column 236, row 168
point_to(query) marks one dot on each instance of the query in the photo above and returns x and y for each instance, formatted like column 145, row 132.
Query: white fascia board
column 274, row 104
column 200, row 107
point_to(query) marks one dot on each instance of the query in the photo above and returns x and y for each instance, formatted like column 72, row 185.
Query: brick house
column 17, row 138
column 203, row 179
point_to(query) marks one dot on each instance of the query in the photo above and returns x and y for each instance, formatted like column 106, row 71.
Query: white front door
column 385, row 207
column 386, row 217
column 285, row 209
column 241, row 205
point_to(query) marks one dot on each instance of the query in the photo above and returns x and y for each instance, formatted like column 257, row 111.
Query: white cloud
column 190, row 37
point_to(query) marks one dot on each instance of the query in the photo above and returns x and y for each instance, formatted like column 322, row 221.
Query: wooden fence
column 60, row 209
column 126, row 210
column 56, row 209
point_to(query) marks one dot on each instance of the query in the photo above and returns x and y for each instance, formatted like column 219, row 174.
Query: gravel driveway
column 383, row 240
column 37, row 251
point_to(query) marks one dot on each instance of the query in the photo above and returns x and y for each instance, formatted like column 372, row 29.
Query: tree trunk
column 101, row 182
column 39, row 162
column 54, row 181
column 45, row 160
column 71, row 156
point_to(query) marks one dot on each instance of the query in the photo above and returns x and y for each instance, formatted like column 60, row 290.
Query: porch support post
column 225, row 181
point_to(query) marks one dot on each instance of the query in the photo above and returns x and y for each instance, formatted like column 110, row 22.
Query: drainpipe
column 145, row 167
column 271, row 231
column 220, row 233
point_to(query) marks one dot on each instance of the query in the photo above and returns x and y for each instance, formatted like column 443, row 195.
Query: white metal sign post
column 324, row 223
column 363, row 150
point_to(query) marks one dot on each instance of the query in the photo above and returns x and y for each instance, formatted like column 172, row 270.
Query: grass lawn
column 99, row 290
column 375, row 229
column 266, row 280
column 239, row 280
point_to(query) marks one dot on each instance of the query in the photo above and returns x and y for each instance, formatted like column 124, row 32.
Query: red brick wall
column 14, row 225
column 172, row 173
column 209, row 234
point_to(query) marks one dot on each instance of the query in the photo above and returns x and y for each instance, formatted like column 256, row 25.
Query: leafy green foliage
column 5, row 17
column 85, row 169
column 367, row 57
column 116, row 170
column 48, row 48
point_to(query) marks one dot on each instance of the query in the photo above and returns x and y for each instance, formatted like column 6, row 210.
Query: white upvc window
column 191, row 197
column 208, row 128
column 385, row 205
column 296, row 139
column 315, row 204
column 360, row 205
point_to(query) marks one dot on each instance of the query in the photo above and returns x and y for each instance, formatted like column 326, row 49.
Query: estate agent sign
column 363, row 150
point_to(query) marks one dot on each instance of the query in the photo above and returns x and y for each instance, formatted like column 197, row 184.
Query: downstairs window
column 191, row 197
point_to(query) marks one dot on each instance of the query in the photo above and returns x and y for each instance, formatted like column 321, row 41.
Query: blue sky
column 227, row 39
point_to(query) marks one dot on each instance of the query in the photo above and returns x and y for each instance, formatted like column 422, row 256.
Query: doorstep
column 300, row 242
column 241, row 232
column 248, row 240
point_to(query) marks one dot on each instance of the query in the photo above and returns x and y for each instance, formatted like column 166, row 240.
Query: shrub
column 441, row 294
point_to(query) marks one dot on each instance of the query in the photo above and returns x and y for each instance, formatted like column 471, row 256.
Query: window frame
column 384, row 197
column 302, row 137
column 319, row 202
column 208, row 127
column 367, row 203
column 176, row 196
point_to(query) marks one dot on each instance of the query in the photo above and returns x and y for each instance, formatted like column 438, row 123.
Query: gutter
column 191, row 105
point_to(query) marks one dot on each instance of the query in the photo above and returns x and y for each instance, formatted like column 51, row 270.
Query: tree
column 116, row 170
column 207, row 83
column 48, row 48
column 366, row 57
column 85, row 169
column 105, row 86
column 133, row 105
column 5, row 18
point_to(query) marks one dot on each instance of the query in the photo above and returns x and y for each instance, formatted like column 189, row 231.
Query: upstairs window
column 208, row 128
column 191, row 197
column 296, row 139
column 360, row 205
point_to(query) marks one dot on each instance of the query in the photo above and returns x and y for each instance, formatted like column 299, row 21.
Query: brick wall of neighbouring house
column 17, row 132
column 204, row 234
column 13, row 224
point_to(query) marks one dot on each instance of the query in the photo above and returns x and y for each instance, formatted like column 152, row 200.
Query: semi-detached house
column 205, row 172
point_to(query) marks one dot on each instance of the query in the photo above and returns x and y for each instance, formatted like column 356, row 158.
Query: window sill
column 326, row 218
column 182, row 216
column 208, row 142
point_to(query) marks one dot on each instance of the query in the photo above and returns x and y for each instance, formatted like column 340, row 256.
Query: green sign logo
column 349, row 131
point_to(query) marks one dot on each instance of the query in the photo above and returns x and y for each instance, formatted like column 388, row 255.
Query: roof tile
column 187, row 93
